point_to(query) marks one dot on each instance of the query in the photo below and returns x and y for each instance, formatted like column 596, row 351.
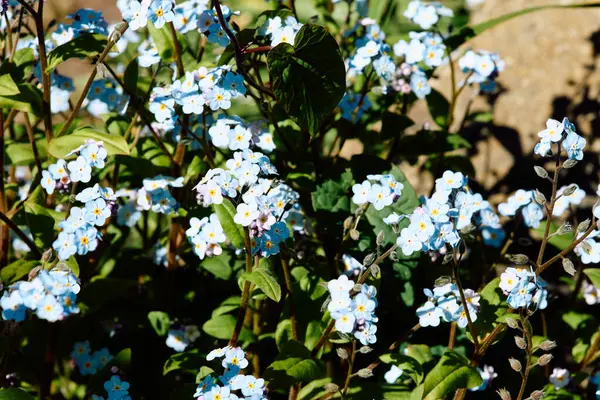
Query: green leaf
column 14, row 394
column 61, row 146
column 85, row 45
column 222, row 326
column 293, row 365
column 204, row 372
column 452, row 372
column 561, row 242
column 28, row 100
column 309, row 78
column 576, row 319
column 469, row 32
column 160, row 321
column 408, row 365
column 218, row 266
column 234, row 232
column 431, row 142
column 264, row 279
column 394, row 125
column 492, row 307
column 8, row 87
column 130, row 77
column 594, row 275
column 188, row 361
column 164, row 41
column 332, row 195
column 438, row 108
column 22, row 153
column 17, row 270
column 420, row 352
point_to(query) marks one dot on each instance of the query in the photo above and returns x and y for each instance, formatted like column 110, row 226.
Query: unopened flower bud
column 568, row 266
column 541, row 172
column 359, row 211
column 520, row 342
column 504, row 394
column 380, row 238
column 515, row 364
column 368, row 260
column 348, row 223
column 101, row 70
column 342, row 353
column 354, row 234
column 394, row 256
column 539, row 197
column 517, row 258
column 564, row 229
column 332, row 388
column 447, row 258
column 547, row 345
column 365, row 349
column 512, row 323
column 357, row 287
column 587, row 247
column 570, row 190
column 375, row 270
column 569, row 164
column 583, row 226
column 545, row 359
column 537, row 395
column 365, row 373
column 47, row 256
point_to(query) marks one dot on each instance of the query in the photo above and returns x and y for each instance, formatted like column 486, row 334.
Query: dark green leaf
column 561, row 242
column 28, row 100
column 332, row 195
column 84, row 45
column 309, row 78
column 594, row 275
column 22, row 153
column 452, row 372
column 8, row 87
column 293, row 365
column 222, row 326
column 17, row 270
column 264, row 279
column 130, row 78
column 407, row 364
column 438, row 108
column 14, row 394
column 188, row 361
column 218, row 266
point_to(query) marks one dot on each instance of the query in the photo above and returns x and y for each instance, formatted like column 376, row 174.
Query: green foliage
column 28, row 99
column 185, row 362
column 234, row 232
column 218, row 266
column 17, row 270
column 452, row 372
column 160, row 321
column 222, row 326
column 14, row 394
column 408, row 365
column 594, row 275
column 85, row 45
column 8, row 87
column 332, row 195
column 309, row 77
column 61, row 146
column 439, row 108
column 293, row 365
column 263, row 278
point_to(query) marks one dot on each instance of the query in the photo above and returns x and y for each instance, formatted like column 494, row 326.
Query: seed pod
column 517, row 258
column 365, row 373
column 342, row 353
column 583, row 226
column 365, row 350
column 545, row 359
column 332, row 388
column 568, row 266
column 447, row 258
column 547, row 345
column 375, row 270
column 520, row 342
column 541, row 172
column 512, row 323
column 359, row 211
column 537, row 395
column 564, row 229
column 570, row 190
column 368, row 260
column 504, row 394
column 357, row 287
column 394, row 256
column 515, row 364
column 587, row 247
column 569, row 164
column 354, row 234
column 325, row 304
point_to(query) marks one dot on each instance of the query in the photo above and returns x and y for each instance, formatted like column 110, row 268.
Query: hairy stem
column 550, row 208
column 245, row 292
column 288, row 285
column 463, row 299
column 350, row 368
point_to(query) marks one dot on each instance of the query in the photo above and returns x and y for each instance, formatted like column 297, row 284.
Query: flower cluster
column 264, row 206
column 424, row 47
column 247, row 386
column 215, row 88
column 487, row 375
column 481, row 67
column 233, row 133
column 52, row 295
column 208, row 24
column 426, row 15
column 451, row 208
column 280, row 31
column 79, row 232
column 85, row 20
column 591, row 293
column 179, row 339
column 564, row 134
column 155, row 194
column 159, row 12
column 589, row 249
column 61, row 88
column 105, row 95
column 445, row 302
column 205, row 236
column 524, row 201
column 523, row 288
column 351, row 265
column 87, row 362
column 371, row 49
column 353, row 315
column 116, row 389
column 560, row 378
column 354, row 105
column 380, row 194
column 59, row 176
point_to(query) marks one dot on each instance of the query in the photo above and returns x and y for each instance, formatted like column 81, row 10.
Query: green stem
column 245, row 292
column 350, row 368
